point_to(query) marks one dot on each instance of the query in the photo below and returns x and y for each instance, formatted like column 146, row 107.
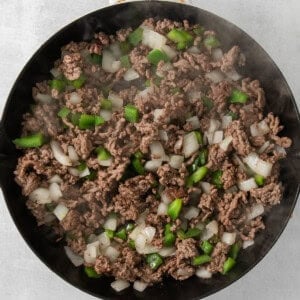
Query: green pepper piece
column 156, row 55
column 207, row 247
column 199, row 174
column 201, row 259
column 148, row 83
column 91, row 273
column 125, row 47
column 91, row 176
column 89, row 121
column 50, row 206
column 193, row 233
column 125, row 62
column 136, row 36
column 180, row 36
column 131, row 113
column 169, row 236
column 106, row 104
column 102, row 153
column 58, row 84
column 199, row 137
column 180, row 234
column 260, row 180
column 199, row 30
column 216, row 178
column 211, row 42
column 138, row 166
column 238, row 96
column 233, row 115
column 121, row 234
column 234, row 250
column 81, row 167
column 78, row 83
column 228, row 265
column 129, row 227
column 31, row 141
column 75, row 118
column 181, row 46
column 207, row 102
column 174, row 208
column 63, row 112
column 203, row 157
column 154, row 260
column 110, row 233
column 131, row 244
column 96, row 59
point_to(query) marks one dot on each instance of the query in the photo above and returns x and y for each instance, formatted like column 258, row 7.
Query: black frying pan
column 279, row 100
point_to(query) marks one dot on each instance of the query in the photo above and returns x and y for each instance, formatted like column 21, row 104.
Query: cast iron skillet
column 279, row 100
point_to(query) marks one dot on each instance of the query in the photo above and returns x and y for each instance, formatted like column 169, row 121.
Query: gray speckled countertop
column 26, row 24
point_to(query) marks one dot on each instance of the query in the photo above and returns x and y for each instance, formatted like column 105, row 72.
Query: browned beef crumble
column 180, row 92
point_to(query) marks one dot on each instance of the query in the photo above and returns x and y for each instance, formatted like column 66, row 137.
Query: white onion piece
column 116, row 101
column 55, row 72
column 264, row 147
column 135, row 232
column 149, row 233
column 157, row 150
column 72, row 154
column 214, row 125
column 74, row 258
column 280, row 150
column 191, row 212
column 40, row 196
column 120, row 285
column 115, row 49
column 194, row 122
column 147, row 249
column 167, row 251
column 203, row 273
column 169, row 51
column 229, row 238
column 146, row 92
column 226, row 120
column 178, row 144
column 153, row 39
column 213, row 226
column 106, row 114
column 165, row 198
column 255, row 211
column 163, row 135
column 247, row 244
column 112, row 253
column 110, row 223
column 85, row 172
column 59, row 155
column 247, row 185
column 131, row 74
column 215, row 76
column 208, row 137
column 104, row 240
column 91, row 252
column 55, row 179
column 162, row 209
column 194, row 96
column 106, row 162
column 226, row 143
column 190, row 144
column 140, row 286
column 75, row 98
column 43, row 98
column 153, row 165
column 140, row 241
column 109, row 62
column 60, row 211
column 205, row 187
column 217, row 54
column 206, row 234
column 158, row 114
column 193, row 50
column 258, row 165
column 218, row 137
column 142, row 217
column 240, row 163
column 176, row 161
column 200, row 226
column 259, row 129
column 233, row 75
column 74, row 172
column 55, row 192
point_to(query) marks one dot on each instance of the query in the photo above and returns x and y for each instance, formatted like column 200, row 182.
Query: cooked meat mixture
column 149, row 154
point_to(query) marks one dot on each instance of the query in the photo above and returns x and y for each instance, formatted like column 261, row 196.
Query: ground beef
column 218, row 256
column 268, row 195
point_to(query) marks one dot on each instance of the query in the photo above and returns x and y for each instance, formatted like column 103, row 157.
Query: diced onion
column 206, row 234
column 233, row 75
column 74, row 258
column 60, row 211
column 203, row 273
column 74, row 172
column 149, row 233
column 103, row 240
column 112, row 253
column 264, row 147
column 153, row 165
column 56, row 178
column 109, row 62
column 167, row 251
column 229, row 238
column 73, row 154
column 120, row 285
column 258, row 165
column 247, row 185
column 226, row 143
column 41, row 196
column 117, row 102
column 140, row 241
column 59, row 155
column 85, row 172
column 190, row 144
column 153, row 39
column 218, row 137
column 140, row 286
column 157, row 150
column 240, row 163
column 75, row 98
column 106, row 162
column 147, row 249
column 135, row 232
column 226, row 120
column 115, row 49
column 193, row 50
column 165, row 198
column 194, row 122
column 163, row 135
column 162, row 209
column 215, row 76
column 259, row 129
column 280, row 150
column 247, row 244
column 106, row 114
column 144, row 93
column 208, row 137
column 169, row 51
column 55, row 72
column 205, row 187
column 176, row 161
column 212, row 226
column 255, row 211
column 214, row 125
column 55, row 192
column 217, row 54
column 191, row 212
column 111, row 223
column 91, row 252
column 43, row 98
column 131, row 74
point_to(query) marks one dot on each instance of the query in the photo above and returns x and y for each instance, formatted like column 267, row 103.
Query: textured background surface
column 26, row 24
